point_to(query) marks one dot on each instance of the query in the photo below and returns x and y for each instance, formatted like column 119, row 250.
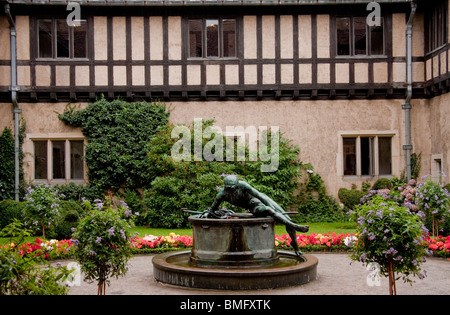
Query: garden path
column 335, row 276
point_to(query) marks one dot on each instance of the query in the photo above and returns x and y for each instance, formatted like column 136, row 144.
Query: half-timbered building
column 358, row 88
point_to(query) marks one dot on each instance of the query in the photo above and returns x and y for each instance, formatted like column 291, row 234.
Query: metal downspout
column 16, row 110
column 407, row 105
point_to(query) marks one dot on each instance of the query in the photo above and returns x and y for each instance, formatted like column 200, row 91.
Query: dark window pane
column 45, row 38
column 377, row 39
column 62, row 39
column 40, row 159
column 349, row 156
column 212, row 38
column 229, row 37
column 79, row 40
column 76, row 160
column 367, row 149
column 195, row 38
column 343, row 36
column 359, row 29
column 59, row 164
column 385, row 155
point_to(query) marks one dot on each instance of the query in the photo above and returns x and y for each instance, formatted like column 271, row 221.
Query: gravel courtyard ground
column 336, row 274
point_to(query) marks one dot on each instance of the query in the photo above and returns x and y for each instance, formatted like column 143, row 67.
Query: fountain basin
column 234, row 254
column 233, row 243
column 174, row 268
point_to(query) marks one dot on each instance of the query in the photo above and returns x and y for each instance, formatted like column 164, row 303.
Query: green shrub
column 324, row 209
column 350, row 198
column 10, row 210
column 315, row 205
column 382, row 183
column 69, row 215
column 28, row 275
column 391, row 236
column 194, row 184
column 102, row 243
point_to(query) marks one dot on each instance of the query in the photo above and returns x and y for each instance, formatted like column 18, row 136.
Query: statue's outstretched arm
column 217, row 201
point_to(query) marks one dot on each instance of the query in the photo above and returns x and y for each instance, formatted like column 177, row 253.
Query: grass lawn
column 319, row 228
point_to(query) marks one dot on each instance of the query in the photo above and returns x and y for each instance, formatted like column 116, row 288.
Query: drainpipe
column 16, row 110
column 407, row 105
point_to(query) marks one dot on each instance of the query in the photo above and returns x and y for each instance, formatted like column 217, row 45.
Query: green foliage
column 9, row 211
column 6, row 165
column 27, row 275
column 433, row 200
column 102, row 242
column 350, row 197
column 68, row 218
column 388, row 234
column 315, row 205
column 382, row 183
column 118, row 132
column 193, row 184
column 282, row 184
column 41, row 207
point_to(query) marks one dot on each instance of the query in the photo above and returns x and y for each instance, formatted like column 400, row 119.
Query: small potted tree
column 390, row 235
column 101, row 241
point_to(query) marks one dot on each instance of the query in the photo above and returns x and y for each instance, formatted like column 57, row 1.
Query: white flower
column 309, row 171
column 348, row 241
column 150, row 238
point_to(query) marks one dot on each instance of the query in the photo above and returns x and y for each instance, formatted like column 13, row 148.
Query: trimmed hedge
column 69, row 215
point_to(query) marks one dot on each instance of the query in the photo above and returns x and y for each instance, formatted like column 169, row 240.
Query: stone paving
column 336, row 274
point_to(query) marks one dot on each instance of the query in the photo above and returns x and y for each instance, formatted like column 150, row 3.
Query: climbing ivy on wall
column 6, row 165
column 117, row 132
column 7, row 173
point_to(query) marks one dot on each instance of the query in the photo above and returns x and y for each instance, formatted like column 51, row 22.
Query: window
column 355, row 38
column 367, row 155
column 63, row 158
column 436, row 25
column 212, row 38
column 56, row 39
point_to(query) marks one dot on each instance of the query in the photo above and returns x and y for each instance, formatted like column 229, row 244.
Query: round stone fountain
column 234, row 254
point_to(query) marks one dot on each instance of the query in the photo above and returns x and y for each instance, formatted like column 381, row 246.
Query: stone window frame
column 31, row 139
column 395, row 153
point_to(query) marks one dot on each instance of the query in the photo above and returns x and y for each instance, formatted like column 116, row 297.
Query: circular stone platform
column 174, row 268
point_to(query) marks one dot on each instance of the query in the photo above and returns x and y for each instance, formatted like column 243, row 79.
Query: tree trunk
column 392, row 287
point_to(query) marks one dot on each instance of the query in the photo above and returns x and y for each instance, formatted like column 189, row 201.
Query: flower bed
column 52, row 249
column 327, row 242
column 440, row 246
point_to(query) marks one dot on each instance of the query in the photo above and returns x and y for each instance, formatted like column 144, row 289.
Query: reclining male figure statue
column 241, row 194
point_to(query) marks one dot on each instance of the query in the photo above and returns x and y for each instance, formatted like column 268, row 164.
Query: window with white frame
column 367, row 155
column 59, row 160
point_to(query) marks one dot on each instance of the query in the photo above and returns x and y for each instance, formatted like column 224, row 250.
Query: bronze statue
column 241, row 194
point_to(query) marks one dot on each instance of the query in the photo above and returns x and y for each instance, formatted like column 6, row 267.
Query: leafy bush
column 118, row 132
column 350, row 198
column 434, row 201
column 391, row 236
column 41, row 207
column 26, row 275
column 315, row 205
column 382, row 183
column 193, row 184
column 68, row 218
column 10, row 210
column 102, row 243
